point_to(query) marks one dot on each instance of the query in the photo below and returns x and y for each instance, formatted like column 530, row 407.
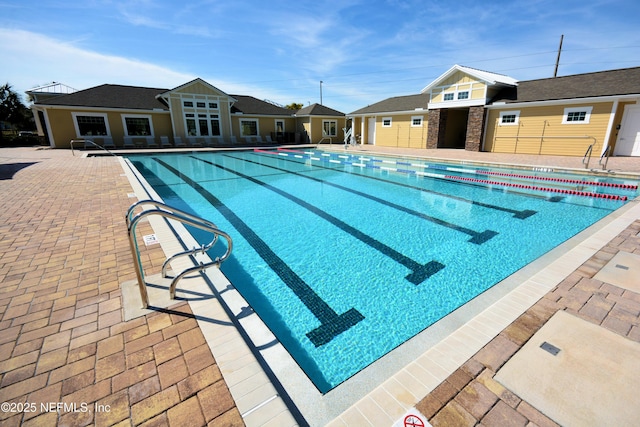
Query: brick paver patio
column 63, row 254
column 63, row 342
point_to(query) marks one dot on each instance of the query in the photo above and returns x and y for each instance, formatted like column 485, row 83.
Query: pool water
column 346, row 257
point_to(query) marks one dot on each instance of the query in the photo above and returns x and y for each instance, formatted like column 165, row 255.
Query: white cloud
column 32, row 59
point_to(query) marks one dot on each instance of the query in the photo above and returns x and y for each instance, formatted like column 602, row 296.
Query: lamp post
column 320, row 92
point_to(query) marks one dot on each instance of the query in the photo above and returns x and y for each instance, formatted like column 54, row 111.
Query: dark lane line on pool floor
column 516, row 213
column 476, row 237
column 331, row 323
column 419, row 272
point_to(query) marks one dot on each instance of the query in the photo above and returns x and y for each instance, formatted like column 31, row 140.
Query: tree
column 294, row 106
column 13, row 113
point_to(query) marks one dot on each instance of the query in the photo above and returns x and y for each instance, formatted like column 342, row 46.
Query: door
column 628, row 143
column 371, row 134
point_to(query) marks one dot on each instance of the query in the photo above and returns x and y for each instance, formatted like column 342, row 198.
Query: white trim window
column 190, row 124
column 509, row 118
column 249, row 127
column 387, row 122
column 91, row 124
column 449, row 96
column 279, row 126
column 463, row 94
column 416, row 121
column 214, row 122
column 330, row 127
column 577, row 115
column 137, row 125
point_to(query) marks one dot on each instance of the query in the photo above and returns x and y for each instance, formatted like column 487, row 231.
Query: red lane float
column 571, row 181
column 546, row 189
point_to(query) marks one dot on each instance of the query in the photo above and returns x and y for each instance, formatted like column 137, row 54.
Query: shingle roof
column 251, row 105
column 112, row 96
column 604, row 83
column 318, row 110
column 397, row 103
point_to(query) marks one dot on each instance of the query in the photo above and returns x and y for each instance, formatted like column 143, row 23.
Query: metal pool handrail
column 587, row 157
column 605, row 156
column 88, row 141
column 167, row 211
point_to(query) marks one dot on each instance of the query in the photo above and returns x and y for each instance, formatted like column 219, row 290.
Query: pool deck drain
column 64, row 254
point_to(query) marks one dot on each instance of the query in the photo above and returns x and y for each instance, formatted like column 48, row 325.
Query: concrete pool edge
column 394, row 397
column 255, row 396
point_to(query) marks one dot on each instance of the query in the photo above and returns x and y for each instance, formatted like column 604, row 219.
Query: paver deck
column 67, row 357
column 63, row 255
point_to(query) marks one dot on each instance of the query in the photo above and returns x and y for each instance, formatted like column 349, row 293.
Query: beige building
column 482, row 111
column 193, row 114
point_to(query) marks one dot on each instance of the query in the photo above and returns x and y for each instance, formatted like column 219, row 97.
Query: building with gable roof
column 482, row 111
column 193, row 114
column 321, row 123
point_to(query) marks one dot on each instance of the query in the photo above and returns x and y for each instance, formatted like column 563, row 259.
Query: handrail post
column 142, row 285
column 588, row 159
column 605, row 155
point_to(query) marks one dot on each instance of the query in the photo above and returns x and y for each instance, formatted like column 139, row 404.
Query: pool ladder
column 159, row 208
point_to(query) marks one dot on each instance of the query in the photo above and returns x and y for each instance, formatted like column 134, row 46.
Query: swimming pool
column 347, row 257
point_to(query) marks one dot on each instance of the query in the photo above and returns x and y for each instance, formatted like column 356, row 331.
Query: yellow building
column 482, row 111
column 400, row 121
column 193, row 114
column 321, row 123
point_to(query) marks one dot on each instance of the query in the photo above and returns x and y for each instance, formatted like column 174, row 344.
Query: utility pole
column 555, row 72
column 320, row 92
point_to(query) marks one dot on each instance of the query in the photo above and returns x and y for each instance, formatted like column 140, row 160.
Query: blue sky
column 363, row 51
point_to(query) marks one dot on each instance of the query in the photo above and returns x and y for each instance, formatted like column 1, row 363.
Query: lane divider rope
column 282, row 152
column 484, row 172
column 536, row 188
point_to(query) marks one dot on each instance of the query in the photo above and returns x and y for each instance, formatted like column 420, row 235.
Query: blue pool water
column 345, row 257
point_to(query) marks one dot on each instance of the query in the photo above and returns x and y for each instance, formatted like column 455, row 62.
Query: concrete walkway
column 68, row 358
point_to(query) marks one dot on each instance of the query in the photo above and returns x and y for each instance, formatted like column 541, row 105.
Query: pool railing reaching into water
column 184, row 217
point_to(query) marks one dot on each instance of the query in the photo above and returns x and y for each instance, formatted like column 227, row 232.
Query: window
column 448, row 96
column 580, row 115
column 137, row 126
column 386, row 122
column 248, row 127
column 509, row 117
column 204, row 127
column 191, row 124
column 200, row 122
column 215, row 126
column 463, row 95
column 91, row 124
column 330, row 128
column 576, row 116
column 279, row 127
column 416, row 121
